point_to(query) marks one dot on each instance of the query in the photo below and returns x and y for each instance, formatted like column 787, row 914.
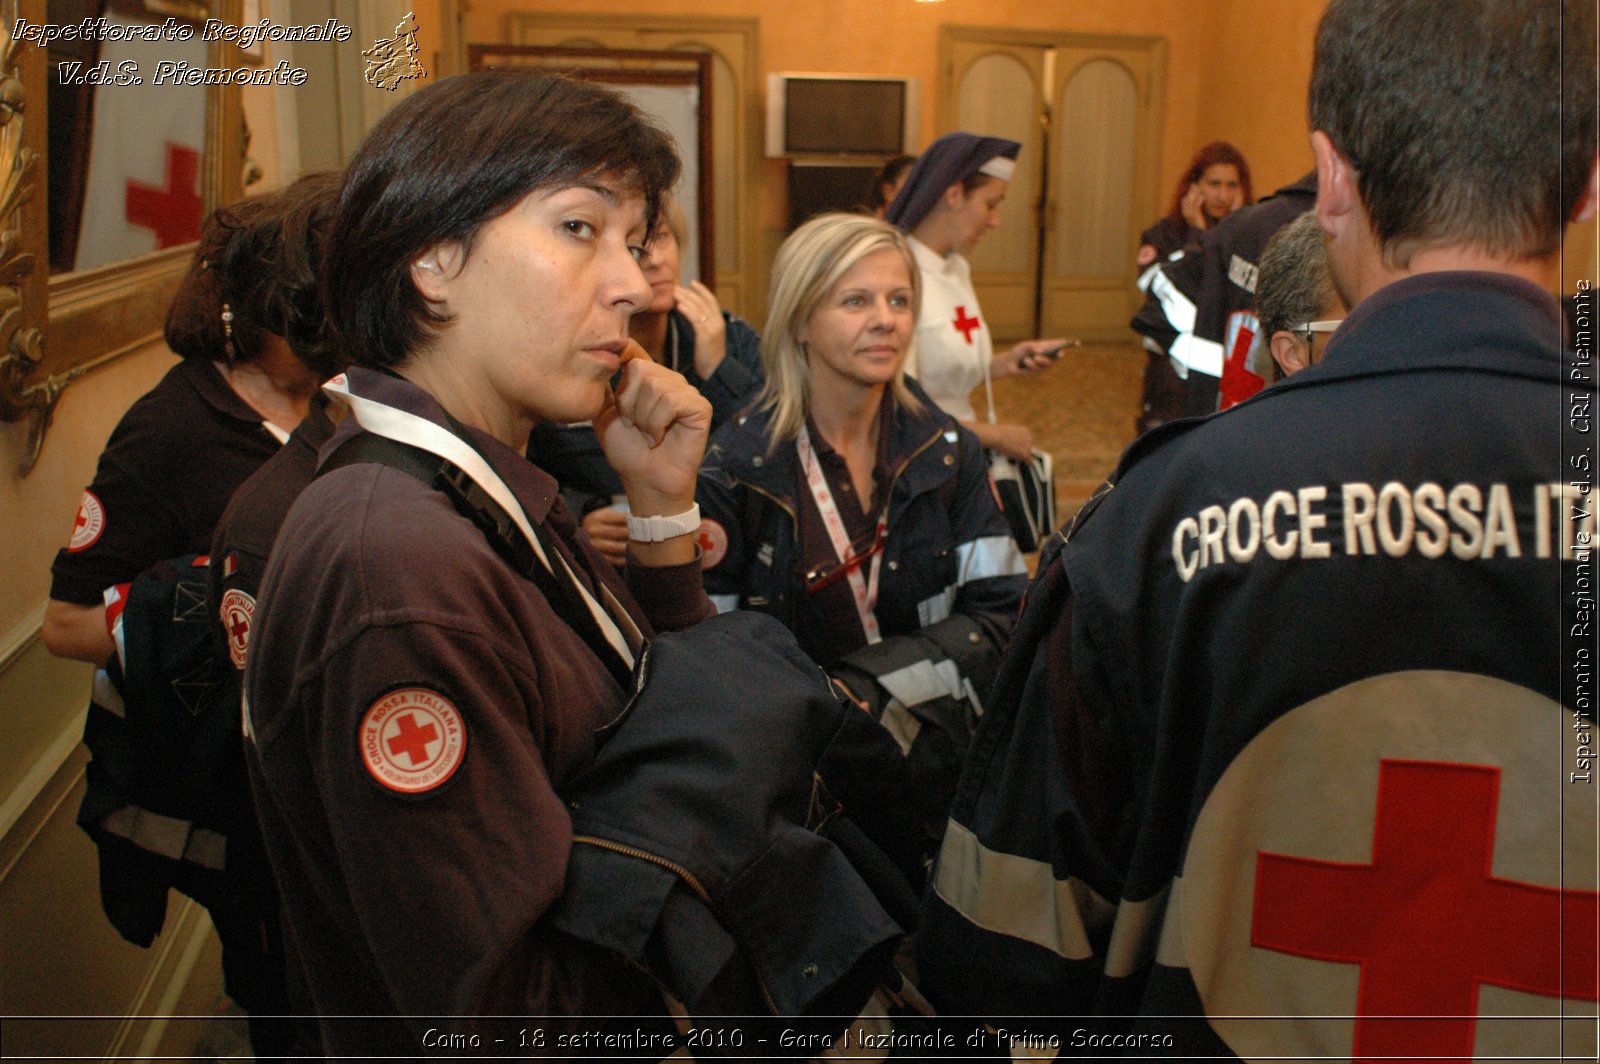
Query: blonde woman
column 849, row 506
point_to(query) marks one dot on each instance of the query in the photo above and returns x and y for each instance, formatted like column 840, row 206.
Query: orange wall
column 1254, row 88
column 901, row 38
column 1236, row 69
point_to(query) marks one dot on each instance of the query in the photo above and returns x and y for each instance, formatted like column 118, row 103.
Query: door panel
column 999, row 90
column 1087, row 276
column 1093, row 102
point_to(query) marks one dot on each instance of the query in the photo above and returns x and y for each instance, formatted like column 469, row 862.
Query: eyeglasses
column 1309, row 329
column 825, row 576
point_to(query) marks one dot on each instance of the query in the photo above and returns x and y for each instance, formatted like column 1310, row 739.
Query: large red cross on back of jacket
column 1427, row 920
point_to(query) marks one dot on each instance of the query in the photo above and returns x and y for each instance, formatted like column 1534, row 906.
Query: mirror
column 132, row 170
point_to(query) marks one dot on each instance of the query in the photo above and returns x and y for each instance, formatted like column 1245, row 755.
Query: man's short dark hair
column 1470, row 122
column 453, row 157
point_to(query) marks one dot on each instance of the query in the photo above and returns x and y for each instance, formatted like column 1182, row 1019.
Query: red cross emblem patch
column 1239, row 382
column 236, row 610
column 88, row 524
column 412, row 740
column 1392, row 871
column 713, row 540
column 965, row 325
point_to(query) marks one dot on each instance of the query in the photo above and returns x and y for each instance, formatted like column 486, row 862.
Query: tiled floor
column 1081, row 410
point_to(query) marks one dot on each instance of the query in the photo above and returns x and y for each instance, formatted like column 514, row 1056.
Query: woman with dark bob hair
column 683, row 328
column 436, row 646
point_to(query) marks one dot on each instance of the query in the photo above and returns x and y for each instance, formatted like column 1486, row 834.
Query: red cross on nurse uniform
column 964, row 325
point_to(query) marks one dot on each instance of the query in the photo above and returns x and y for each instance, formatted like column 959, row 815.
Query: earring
column 227, row 334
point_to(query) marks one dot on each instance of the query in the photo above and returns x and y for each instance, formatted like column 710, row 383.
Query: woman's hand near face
column 1191, row 206
column 699, row 304
column 653, row 431
column 608, row 531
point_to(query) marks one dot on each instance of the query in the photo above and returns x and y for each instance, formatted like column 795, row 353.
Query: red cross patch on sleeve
column 237, row 610
column 88, row 524
column 713, row 541
column 412, row 740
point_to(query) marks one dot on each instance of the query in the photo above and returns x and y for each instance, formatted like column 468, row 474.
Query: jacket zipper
column 683, row 874
column 785, row 507
column 929, row 442
column 901, row 468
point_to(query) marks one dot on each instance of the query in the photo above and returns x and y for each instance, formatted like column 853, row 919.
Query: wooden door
column 1086, row 109
column 1104, row 138
column 997, row 88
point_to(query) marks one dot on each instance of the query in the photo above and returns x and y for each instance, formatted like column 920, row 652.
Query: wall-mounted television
column 816, row 187
column 840, row 115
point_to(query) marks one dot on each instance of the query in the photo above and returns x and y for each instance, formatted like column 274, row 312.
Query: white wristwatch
column 657, row 529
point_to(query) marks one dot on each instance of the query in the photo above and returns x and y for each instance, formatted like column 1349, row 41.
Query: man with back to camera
column 1293, row 734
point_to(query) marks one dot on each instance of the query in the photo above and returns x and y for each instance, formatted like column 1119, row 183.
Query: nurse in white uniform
column 951, row 199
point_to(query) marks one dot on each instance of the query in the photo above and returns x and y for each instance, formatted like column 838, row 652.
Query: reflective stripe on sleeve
column 1178, row 307
column 976, row 559
column 1016, row 896
column 105, row 694
column 1135, row 934
column 936, row 607
column 168, row 836
column 901, row 724
column 987, row 556
column 1188, row 351
column 923, row 681
column 1193, row 353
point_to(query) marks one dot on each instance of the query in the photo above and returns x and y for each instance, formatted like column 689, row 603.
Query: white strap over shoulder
column 383, row 420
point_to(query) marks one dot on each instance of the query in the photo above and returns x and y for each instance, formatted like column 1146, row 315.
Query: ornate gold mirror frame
column 53, row 330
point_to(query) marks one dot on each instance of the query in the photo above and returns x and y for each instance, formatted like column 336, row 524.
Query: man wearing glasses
column 1296, row 302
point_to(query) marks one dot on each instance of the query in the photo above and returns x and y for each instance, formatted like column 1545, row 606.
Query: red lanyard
column 865, row 592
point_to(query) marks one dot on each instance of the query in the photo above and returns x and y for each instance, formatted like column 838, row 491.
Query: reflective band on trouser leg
column 168, row 836
column 1016, row 896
